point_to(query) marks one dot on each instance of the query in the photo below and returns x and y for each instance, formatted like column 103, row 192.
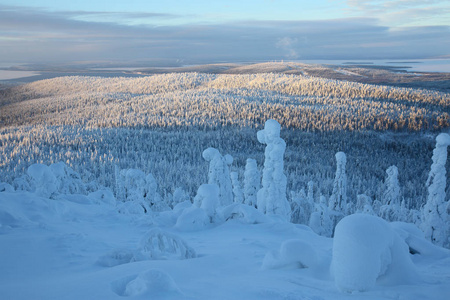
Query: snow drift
column 365, row 248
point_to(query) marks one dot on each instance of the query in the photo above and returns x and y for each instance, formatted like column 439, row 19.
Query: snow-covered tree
column 252, row 182
column 364, row 204
column 337, row 203
column 271, row 198
column 207, row 198
column 435, row 218
column 321, row 221
column 391, row 193
column 219, row 174
column 134, row 185
column 390, row 210
column 237, row 191
column 338, row 199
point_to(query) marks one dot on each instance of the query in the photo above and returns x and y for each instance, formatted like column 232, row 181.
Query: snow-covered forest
column 328, row 161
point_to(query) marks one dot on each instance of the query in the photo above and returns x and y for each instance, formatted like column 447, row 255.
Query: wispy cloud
column 37, row 35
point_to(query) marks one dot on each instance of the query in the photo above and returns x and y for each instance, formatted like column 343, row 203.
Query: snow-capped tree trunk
column 219, row 174
column 435, row 218
column 271, row 198
column 252, row 182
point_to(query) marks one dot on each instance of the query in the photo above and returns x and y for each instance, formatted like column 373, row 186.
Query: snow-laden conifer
column 338, row 199
column 390, row 210
column 271, row 198
column 435, row 218
column 252, row 182
column 219, row 174
column 237, row 190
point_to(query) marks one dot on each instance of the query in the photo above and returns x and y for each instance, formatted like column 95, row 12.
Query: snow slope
column 56, row 249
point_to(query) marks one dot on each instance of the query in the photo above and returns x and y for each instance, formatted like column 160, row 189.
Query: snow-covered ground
column 80, row 247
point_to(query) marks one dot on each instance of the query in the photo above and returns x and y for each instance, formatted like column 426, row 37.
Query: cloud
column 32, row 35
column 403, row 12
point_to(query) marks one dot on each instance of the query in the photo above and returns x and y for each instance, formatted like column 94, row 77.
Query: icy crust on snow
column 365, row 248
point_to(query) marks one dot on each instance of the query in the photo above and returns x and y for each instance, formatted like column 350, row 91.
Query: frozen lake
column 8, row 75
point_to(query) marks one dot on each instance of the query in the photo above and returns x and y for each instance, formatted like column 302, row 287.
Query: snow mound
column 58, row 178
column 207, row 198
column 5, row 187
column 416, row 241
column 103, row 196
column 115, row 258
column 366, row 248
column 192, row 219
column 293, row 253
column 151, row 284
column 158, row 244
column 132, row 208
column 246, row 214
column 43, row 179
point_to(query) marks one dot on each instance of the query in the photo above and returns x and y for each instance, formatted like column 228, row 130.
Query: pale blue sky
column 51, row 30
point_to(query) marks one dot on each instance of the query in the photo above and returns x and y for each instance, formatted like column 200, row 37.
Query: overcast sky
column 222, row 30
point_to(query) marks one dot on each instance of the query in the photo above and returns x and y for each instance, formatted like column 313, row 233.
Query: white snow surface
column 81, row 247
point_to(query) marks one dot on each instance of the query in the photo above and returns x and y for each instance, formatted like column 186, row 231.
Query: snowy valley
column 219, row 186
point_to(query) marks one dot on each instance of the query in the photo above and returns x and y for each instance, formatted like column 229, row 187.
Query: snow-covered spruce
column 252, row 182
column 219, row 174
column 390, row 209
column 50, row 181
column 435, row 217
column 237, row 190
column 134, row 186
column 271, row 198
column 320, row 220
column 367, row 249
column 207, row 198
column 338, row 199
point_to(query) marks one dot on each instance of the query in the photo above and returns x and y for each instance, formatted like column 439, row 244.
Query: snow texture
column 435, row 217
column 50, row 246
column 219, row 174
column 364, row 249
column 271, row 198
